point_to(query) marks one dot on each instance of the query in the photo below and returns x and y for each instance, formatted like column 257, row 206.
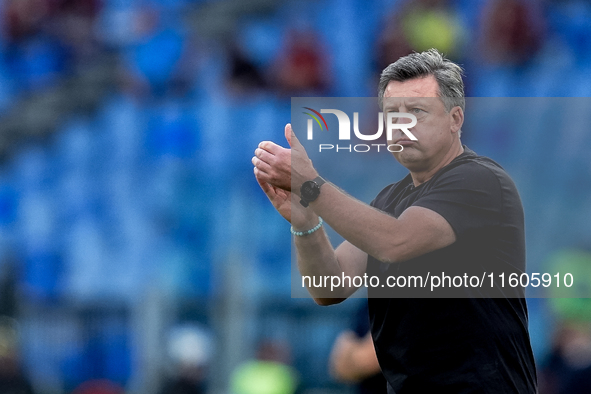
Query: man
column 353, row 357
column 454, row 208
column 12, row 378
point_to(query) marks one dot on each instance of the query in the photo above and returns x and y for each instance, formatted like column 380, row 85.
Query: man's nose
column 401, row 119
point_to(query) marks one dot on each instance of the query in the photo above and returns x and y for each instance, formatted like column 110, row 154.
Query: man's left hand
column 281, row 167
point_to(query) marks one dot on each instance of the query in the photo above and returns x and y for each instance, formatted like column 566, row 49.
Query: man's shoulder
column 477, row 180
column 470, row 167
column 468, row 171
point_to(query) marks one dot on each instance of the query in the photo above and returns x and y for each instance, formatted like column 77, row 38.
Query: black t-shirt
column 457, row 345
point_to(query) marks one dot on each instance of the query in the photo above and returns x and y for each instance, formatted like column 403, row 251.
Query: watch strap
column 319, row 181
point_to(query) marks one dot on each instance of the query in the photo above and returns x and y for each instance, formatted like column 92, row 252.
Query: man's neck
column 423, row 176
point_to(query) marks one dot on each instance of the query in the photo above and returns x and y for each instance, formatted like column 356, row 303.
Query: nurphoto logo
column 392, row 123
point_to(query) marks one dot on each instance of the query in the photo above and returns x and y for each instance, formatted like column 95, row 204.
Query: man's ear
column 457, row 119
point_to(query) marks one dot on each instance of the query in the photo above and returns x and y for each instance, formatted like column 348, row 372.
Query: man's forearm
column 374, row 232
column 316, row 258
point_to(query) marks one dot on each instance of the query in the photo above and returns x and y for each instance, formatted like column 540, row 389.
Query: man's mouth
column 404, row 142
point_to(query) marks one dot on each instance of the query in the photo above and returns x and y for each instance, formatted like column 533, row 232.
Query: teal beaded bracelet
column 302, row 233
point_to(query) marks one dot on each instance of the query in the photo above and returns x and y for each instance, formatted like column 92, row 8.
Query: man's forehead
column 393, row 103
column 416, row 87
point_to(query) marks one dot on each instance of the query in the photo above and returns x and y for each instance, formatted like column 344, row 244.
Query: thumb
column 288, row 133
column 291, row 137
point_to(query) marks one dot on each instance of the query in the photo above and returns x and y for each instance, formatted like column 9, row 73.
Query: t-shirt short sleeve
column 467, row 196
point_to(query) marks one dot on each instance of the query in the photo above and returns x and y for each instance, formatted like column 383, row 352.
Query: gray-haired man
column 454, row 207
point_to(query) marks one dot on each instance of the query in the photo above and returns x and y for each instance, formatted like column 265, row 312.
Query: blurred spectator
column 580, row 382
column 103, row 354
column 419, row 26
column 392, row 43
column 147, row 73
column 8, row 281
column 565, row 369
column 566, row 302
column 512, row 31
column 245, row 76
column 189, row 350
column 24, row 18
column 74, row 25
column 12, row 379
column 353, row 358
column 48, row 38
column 69, row 21
column 270, row 373
column 302, row 66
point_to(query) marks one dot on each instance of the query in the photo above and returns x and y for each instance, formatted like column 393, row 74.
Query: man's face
column 436, row 129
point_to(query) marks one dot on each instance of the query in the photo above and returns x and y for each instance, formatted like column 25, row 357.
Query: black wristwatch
column 310, row 190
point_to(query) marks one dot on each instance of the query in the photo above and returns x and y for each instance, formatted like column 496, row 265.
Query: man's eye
column 416, row 110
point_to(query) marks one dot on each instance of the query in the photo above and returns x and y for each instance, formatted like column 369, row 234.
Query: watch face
column 309, row 190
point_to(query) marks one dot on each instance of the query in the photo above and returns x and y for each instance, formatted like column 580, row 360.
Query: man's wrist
column 296, row 184
column 307, row 223
column 309, row 231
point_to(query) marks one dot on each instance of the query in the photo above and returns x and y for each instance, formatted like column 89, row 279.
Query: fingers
column 277, row 181
column 268, row 178
column 262, row 165
column 264, row 161
column 265, row 156
column 271, row 147
column 273, row 168
column 267, row 188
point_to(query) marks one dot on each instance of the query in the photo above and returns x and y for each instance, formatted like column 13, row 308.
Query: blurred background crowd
column 137, row 253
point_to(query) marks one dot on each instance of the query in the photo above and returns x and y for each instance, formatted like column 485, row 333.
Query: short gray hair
column 416, row 65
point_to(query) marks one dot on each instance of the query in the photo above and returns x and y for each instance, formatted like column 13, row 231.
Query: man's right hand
column 279, row 193
column 281, row 199
column 287, row 204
